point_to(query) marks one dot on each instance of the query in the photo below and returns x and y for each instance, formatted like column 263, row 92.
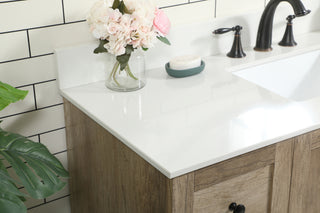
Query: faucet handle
column 290, row 18
column 236, row 50
column 226, row 30
column 288, row 39
column 222, row 30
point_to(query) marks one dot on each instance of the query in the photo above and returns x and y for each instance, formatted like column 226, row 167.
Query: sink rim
column 248, row 72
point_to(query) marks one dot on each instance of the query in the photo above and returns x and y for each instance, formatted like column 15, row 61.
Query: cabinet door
column 259, row 180
column 305, row 186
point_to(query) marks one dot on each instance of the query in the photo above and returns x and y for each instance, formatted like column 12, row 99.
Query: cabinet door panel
column 234, row 167
column 253, row 189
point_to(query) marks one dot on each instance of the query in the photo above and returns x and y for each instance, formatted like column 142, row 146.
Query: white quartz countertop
column 181, row 125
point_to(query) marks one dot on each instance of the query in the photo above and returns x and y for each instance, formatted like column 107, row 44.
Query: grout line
column 68, row 195
column 42, row 133
column 20, row 113
column 34, row 97
column 29, row 46
column 41, row 55
column 40, row 82
column 215, row 8
column 20, row 59
column 63, row 13
column 39, row 140
column 45, row 26
column 57, row 153
column 3, row 2
column 13, row 60
column 175, row 5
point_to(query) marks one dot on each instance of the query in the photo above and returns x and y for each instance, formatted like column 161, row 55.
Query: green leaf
column 116, row 4
column 7, row 183
column 144, row 49
column 9, row 94
column 129, row 49
column 164, row 40
column 40, row 175
column 124, row 59
column 123, row 9
column 11, row 204
column 11, row 199
column 101, row 48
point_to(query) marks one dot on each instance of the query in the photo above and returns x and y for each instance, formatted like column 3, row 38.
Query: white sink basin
column 296, row 78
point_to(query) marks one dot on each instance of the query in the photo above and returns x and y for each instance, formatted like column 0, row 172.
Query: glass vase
column 129, row 79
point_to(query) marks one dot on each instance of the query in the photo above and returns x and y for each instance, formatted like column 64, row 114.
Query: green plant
column 38, row 171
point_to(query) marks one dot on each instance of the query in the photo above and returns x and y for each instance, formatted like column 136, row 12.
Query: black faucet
column 264, row 36
column 236, row 50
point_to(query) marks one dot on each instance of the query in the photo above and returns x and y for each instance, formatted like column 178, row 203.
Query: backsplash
column 33, row 28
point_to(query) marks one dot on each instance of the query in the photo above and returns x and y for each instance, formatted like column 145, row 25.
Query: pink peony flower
column 161, row 22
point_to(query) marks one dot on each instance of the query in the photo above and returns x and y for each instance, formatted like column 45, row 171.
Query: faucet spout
column 264, row 36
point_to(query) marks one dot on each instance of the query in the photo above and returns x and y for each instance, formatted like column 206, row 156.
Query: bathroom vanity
column 107, row 176
column 193, row 144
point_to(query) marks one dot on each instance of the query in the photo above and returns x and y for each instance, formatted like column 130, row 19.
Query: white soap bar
column 185, row 62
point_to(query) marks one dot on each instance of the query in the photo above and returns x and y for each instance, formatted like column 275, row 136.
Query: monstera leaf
column 9, row 94
column 38, row 170
column 11, row 199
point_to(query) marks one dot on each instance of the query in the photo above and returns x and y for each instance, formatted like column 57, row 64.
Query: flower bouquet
column 123, row 26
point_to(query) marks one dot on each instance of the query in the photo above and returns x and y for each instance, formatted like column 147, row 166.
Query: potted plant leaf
column 38, row 171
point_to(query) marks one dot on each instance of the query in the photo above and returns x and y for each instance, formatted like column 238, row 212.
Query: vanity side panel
column 106, row 176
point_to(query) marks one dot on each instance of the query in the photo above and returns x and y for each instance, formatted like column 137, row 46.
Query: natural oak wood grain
column 312, row 201
column 252, row 189
column 315, row 139
column 282, row 176
column 300, row 173
column 106, row 176
column 183, row 194
column 234, row 167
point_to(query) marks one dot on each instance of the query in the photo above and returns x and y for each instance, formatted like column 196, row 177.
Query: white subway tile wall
column 231, row 7
column 29, row 32
column 13, row 45
column 29, row 14
column 29, row 71
column 58, row 36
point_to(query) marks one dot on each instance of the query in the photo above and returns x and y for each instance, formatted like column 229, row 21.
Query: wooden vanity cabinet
column 108, row 177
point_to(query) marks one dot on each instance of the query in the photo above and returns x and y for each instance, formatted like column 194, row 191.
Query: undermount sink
column 296, row 78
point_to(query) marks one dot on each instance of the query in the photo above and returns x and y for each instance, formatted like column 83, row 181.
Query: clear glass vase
column 129, row 79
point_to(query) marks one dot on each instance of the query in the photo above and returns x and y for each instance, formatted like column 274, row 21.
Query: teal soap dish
column 184, row 73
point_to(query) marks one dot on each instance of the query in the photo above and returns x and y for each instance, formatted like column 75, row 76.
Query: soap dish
column 186, row 72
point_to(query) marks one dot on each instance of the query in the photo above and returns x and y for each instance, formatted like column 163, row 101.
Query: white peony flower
column 136, row 28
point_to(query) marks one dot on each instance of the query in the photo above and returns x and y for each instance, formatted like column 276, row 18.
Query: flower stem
column 114, row 72
column 130, row 73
